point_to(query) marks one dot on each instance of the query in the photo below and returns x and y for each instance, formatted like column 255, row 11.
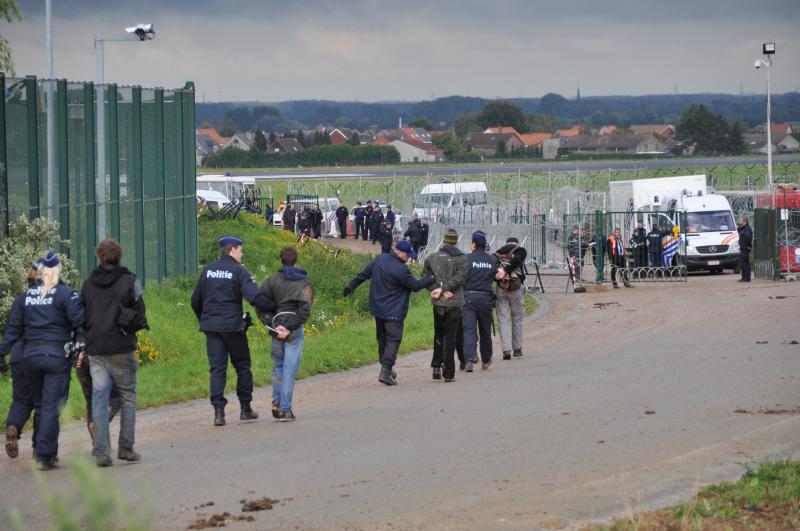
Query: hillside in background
column 443, row 112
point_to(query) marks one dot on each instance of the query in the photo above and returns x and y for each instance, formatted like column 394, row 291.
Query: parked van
column 709, row 236
column 435, row 199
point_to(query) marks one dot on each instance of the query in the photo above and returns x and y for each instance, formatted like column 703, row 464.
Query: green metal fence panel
column 766, row 258
column 33, row 142
column 4, row 212
column 150, row 169
column 63, row 161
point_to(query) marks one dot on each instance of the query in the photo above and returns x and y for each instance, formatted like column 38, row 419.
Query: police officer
column 479, row 300
column 390, row 216
column 654, row 246
column 358, row 213
column 217, row 302
column 21, row 395
column 341, row 220
column 45, row 316
column 377, row 221
column 367, row 233
column 745, row 245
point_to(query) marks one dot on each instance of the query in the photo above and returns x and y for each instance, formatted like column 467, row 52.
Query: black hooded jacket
column 108, row 287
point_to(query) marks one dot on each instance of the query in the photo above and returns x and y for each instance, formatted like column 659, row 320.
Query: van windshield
column 433, row 199
column 720, row 220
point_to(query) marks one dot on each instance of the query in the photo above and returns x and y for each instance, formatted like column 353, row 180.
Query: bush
column 28, row 241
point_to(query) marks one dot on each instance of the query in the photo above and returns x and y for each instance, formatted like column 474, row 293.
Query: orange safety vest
column 613, row 240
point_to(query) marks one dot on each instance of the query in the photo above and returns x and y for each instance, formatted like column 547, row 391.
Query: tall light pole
column 768, row 49
column 51, row 116
column 138, row 33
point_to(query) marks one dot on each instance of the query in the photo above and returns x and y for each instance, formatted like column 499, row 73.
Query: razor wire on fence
column 122, row 165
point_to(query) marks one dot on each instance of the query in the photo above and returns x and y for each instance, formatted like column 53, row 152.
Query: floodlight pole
column 51, row 116
column 769, row 126
column 101, row 129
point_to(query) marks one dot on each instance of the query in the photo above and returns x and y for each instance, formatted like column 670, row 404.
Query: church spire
column 578, row 97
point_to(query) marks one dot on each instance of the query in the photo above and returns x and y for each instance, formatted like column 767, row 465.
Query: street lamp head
column 769, row 48
column 144, row 32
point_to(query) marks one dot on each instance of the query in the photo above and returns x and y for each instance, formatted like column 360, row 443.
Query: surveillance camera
column 757, row 64
column 144, row 32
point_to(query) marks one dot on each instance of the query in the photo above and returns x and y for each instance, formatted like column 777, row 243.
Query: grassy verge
column 767, row 498
column 340, row 334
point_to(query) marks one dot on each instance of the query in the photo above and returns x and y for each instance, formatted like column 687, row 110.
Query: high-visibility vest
column 614, row 243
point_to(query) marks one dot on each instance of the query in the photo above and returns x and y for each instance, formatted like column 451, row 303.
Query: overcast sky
column 373, row 50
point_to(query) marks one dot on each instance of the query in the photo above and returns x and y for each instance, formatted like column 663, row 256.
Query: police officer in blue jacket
column 21, row 394
column 478, row 304
column 392, row 284
column 358, row 213
column 217, row 302
column 46, row 316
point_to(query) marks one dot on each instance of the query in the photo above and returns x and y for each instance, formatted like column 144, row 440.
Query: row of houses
column 416, row 144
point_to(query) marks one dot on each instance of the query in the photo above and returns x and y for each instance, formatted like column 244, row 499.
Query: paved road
column 513, row 167
column 554, row 439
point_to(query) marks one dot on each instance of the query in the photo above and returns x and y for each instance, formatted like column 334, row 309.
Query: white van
column 435, row 199
column 710, row 235
column 327, row 205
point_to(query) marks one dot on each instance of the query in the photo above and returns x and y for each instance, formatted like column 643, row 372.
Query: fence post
column 162, row 185
column 190, row 175
column 4, row 212
column 179, row 203
column 136, row 180
column 89, row 174
column 33, row 147
column 599, row 226
column 63, row 160
column 112, row 134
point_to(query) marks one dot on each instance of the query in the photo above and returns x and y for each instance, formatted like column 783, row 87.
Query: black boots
column 387, row 376
column 247, row 413
column 219, row 415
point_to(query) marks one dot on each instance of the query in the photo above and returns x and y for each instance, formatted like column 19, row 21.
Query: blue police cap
column 479, row 235
column 405, row 246
column 51, row 260
column 230, row 240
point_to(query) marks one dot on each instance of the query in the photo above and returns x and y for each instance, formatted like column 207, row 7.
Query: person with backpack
column 115, row 311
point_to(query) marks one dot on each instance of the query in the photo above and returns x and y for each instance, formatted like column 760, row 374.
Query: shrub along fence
column 103, row 161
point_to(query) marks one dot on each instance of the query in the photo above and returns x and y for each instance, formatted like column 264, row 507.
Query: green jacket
column 449, row 267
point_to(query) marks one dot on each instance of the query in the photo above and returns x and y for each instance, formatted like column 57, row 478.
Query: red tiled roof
column 213, row 135
column 534, row 139
column 575, row 130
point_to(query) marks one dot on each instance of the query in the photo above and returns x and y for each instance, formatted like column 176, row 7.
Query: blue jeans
column 113, row 370
column 286, row 355
column 48, row 376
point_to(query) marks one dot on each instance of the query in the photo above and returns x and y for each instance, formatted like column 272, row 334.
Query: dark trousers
column 446, row 327
column 477, row 321
column 389, row 334
column 220, row 345
column 360, row 229
column 48, row 377
column 21, row 400
column 374, row 232
column 655, row 258
column 84, row 376
column 317, row 230
column 342, row 228
column 744, row 264
column 617, row 262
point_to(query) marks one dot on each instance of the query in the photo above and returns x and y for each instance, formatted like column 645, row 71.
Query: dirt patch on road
column 219, row 520
column 770, row 411
column 261, row 504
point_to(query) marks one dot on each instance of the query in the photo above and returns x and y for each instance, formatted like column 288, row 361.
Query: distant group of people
column 464, row 290
column 307, row 221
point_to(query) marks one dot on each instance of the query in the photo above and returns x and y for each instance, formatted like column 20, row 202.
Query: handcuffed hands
column 282, row 332
column 435, row 294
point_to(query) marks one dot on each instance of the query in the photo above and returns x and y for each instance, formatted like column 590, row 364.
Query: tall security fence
column 103, row 161
column 776, row 234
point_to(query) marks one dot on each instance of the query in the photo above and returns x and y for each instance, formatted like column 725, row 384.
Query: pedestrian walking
column 46, row 316
column 389, row 291
column 115, row 311
column 217, row 303
column 358, row 214
column 269, row 214
column 341, row 220
column 424, row 230
column 615, row 249
column 576, row 248
column 292, row 294
column 510, row 297
column 745, row 246
column 22, row 405
column 448, row 267
column 478, row 303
